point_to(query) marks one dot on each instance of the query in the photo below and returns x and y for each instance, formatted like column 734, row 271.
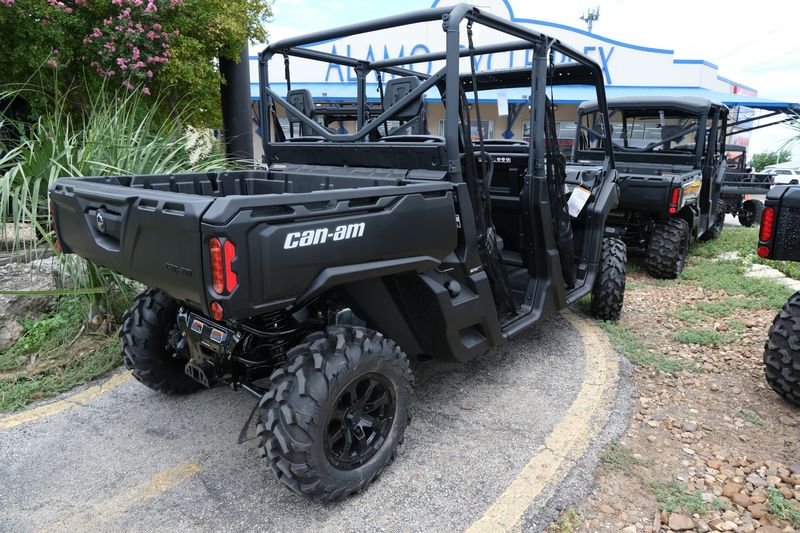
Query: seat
column 411, row 115
column 302, row 100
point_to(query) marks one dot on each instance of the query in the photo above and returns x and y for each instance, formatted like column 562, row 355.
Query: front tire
column 668, row 248
column 148, row 332
column 609, row 286
column 782, row 352
column 335, row 414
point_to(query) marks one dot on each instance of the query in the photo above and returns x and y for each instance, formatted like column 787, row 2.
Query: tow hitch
column 208, row 342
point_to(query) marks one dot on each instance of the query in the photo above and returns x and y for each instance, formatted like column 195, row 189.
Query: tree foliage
column 164, row 47
column 762, row 160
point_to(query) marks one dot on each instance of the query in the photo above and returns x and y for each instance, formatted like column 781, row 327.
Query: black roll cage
column 448, row 78
column 707, row 138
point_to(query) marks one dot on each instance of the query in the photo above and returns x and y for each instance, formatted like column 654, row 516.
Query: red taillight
column 53, row 224
column 767, row 221
column 216, row 311
column 222, row 252
column 217, row 272
column 674, row 200
column 763, row 251
column 230, row 275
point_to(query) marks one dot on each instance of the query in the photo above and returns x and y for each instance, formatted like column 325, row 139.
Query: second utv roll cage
column 447, row 79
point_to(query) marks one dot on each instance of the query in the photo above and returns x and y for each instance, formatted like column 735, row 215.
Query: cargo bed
column 156, row 228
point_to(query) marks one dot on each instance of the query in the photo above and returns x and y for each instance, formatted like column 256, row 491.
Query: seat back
column 304, row 102
column 396, row 90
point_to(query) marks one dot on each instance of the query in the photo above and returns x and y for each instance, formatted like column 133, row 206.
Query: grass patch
column 567, row 522
column 783, row 508
column 729, row 276
column 742, row 240
column 703, row 337
column 736, row 326
column 643, row 353
column 689, row 314
column 750, row 416
column 672, row 496
column 619, row 458
column 54, row 355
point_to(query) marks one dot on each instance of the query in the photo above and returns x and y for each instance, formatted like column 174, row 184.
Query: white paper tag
column 502, row 103
column 577, row 200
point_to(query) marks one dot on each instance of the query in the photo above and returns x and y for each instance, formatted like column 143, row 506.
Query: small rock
column 714, row 463
column 768, row 529
column 756, row 480
column 606, row 509
column 729, row 489
column 742, row 500
column 680, row 522
column 466, row 406
column 773, row 481
column 629, row 529
column 690, row 426
column 758, row 510
column 788, row 420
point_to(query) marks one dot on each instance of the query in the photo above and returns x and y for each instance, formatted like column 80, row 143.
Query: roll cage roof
column 689, row 104
column 447, row 79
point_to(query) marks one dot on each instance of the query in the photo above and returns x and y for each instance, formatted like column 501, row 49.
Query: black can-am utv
column 671, row 160
column 313, row 282
column 779, row 239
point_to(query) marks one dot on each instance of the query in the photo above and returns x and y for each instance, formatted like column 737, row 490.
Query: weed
column 618, row 457
column 53, row 355
column 642, row 353
column 567, row 522
column 750, row 416
column 672, row 496
column 703, row 337
column 782, row 508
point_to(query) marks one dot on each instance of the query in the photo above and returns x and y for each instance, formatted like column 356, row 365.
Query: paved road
column 131, row 459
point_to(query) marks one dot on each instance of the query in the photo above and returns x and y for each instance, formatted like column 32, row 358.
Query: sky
column 754, row 43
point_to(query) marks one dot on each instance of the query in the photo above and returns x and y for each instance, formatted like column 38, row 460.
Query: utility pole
column 590, row 16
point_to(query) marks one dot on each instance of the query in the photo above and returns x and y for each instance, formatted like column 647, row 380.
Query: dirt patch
column 710, row 447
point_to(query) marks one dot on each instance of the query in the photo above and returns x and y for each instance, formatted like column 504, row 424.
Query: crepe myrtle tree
column 165, row 47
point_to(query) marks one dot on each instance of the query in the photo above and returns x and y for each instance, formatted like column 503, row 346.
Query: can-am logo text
column 322, row 235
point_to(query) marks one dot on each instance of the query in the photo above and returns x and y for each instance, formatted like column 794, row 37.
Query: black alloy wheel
column 361, row 422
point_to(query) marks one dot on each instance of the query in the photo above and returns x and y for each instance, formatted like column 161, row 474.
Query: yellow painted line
column 50, row 409
column 569, row 439
column 102, row 515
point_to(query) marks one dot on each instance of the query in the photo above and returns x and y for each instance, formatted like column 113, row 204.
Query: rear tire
column 145, row 348
column 751, row 212
column 335, row 414
column 668, row 248
column 782, row 352
column 609, row 287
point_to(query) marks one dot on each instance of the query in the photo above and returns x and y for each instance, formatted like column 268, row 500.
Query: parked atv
column 314, row 282
column 671, row 169
column 779, row 238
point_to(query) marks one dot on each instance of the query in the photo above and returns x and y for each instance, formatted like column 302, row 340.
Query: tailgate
column 147, row 235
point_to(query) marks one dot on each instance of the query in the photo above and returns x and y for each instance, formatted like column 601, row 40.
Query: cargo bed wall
column 150, row 236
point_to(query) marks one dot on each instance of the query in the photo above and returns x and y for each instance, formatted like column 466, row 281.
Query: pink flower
column 150, row 7
column 128, row 85
column 138, row 64
column 121, row 62
column 97, row 33
column 135, row 54
column 150, row 35
column 86, row 40
column 146, row 91
column 149, row 73
column 108, row 21
column 52, row 63
column 9, row 3
column 157, row 26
